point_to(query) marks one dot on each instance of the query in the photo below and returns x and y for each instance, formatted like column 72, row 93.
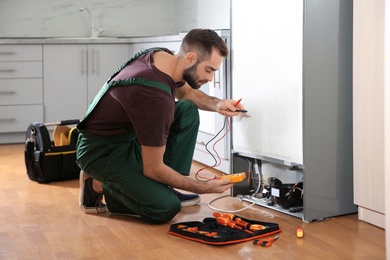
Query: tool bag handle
column 64, row 122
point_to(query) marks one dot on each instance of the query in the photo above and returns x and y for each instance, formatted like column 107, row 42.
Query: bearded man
column 137, row 139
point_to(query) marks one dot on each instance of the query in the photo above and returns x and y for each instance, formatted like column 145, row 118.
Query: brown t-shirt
column 146, row 110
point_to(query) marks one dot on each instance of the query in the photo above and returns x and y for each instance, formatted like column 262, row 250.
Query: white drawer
column 17, row 118
column 20, row 52
column 21, row 91
column 21, row 69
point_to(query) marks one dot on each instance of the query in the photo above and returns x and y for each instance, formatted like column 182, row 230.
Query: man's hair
column 203, row 42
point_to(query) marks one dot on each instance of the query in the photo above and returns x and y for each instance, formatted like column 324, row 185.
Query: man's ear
column 190, row 58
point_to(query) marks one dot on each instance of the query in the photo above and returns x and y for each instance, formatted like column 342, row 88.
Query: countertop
column 88, row 40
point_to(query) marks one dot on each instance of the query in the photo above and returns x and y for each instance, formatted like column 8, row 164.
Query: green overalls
column 116, row 160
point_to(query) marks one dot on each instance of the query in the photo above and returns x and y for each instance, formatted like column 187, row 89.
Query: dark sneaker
column 89, row 200
column 187, row 199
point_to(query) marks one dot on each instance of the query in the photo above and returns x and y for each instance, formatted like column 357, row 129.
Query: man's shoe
column 89, row 200
column 187, row 200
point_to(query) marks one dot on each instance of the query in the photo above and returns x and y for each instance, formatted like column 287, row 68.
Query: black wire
column 215, row 160
column 207, row 149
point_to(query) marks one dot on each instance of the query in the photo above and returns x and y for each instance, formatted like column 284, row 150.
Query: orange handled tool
column 238, row 221
column 229, row 216
column 299, row 232
column 242, row 223
column 238, row 102
column 266, row 242
column 192, row 229
column 227, row 223
column 255, row 227
column 217, row 214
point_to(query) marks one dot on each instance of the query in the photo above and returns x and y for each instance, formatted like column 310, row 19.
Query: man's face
column 201, row 73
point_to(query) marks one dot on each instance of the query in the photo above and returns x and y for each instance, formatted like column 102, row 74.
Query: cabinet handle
column 83, row 59
column 93, row 61
column 7, row 53
column 7, row 120
column 7, row 92
column 8, row 70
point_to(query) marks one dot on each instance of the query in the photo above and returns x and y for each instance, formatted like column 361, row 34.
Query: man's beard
column 189, row 76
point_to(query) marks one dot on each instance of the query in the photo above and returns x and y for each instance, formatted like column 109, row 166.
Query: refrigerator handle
column 217, row 79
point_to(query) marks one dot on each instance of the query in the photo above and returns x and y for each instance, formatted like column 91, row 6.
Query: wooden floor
column 43, row 221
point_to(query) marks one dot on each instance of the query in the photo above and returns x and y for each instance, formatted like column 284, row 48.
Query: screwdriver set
column 223, row 229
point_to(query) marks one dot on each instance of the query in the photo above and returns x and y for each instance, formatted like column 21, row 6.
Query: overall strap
column 129, row 81
column 135, row 56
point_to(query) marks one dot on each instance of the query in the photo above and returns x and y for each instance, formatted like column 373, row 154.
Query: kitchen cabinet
column 21, row 90
column 369, row 111
column 74, row 73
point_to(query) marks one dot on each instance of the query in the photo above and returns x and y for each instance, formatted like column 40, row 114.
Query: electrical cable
column 295, row 187
column 198, row 177
column 259, row 177
column 224, row 210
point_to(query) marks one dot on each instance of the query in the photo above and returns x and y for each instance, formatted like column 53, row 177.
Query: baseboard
column 372, row 217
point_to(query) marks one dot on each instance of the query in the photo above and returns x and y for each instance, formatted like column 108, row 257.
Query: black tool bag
column 50, row 160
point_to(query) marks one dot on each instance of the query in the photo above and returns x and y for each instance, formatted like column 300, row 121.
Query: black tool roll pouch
column 209, row 231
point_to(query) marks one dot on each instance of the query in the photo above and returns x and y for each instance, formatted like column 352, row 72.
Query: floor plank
column 43, row 221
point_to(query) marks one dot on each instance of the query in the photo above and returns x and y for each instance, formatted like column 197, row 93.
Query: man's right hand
column 217, row 186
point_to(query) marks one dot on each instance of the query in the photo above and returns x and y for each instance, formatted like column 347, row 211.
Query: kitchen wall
column 118, row 18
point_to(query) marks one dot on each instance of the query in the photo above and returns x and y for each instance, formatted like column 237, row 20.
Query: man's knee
column 187, row 111
column 163, row 213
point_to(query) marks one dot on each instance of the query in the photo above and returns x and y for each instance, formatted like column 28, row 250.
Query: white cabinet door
column 103, row 61
column 65, row 81
column 74, row 73
column 369, row 112
column 21, row 86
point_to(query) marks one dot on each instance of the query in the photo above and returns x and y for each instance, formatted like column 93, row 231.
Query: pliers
column 265, row 242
